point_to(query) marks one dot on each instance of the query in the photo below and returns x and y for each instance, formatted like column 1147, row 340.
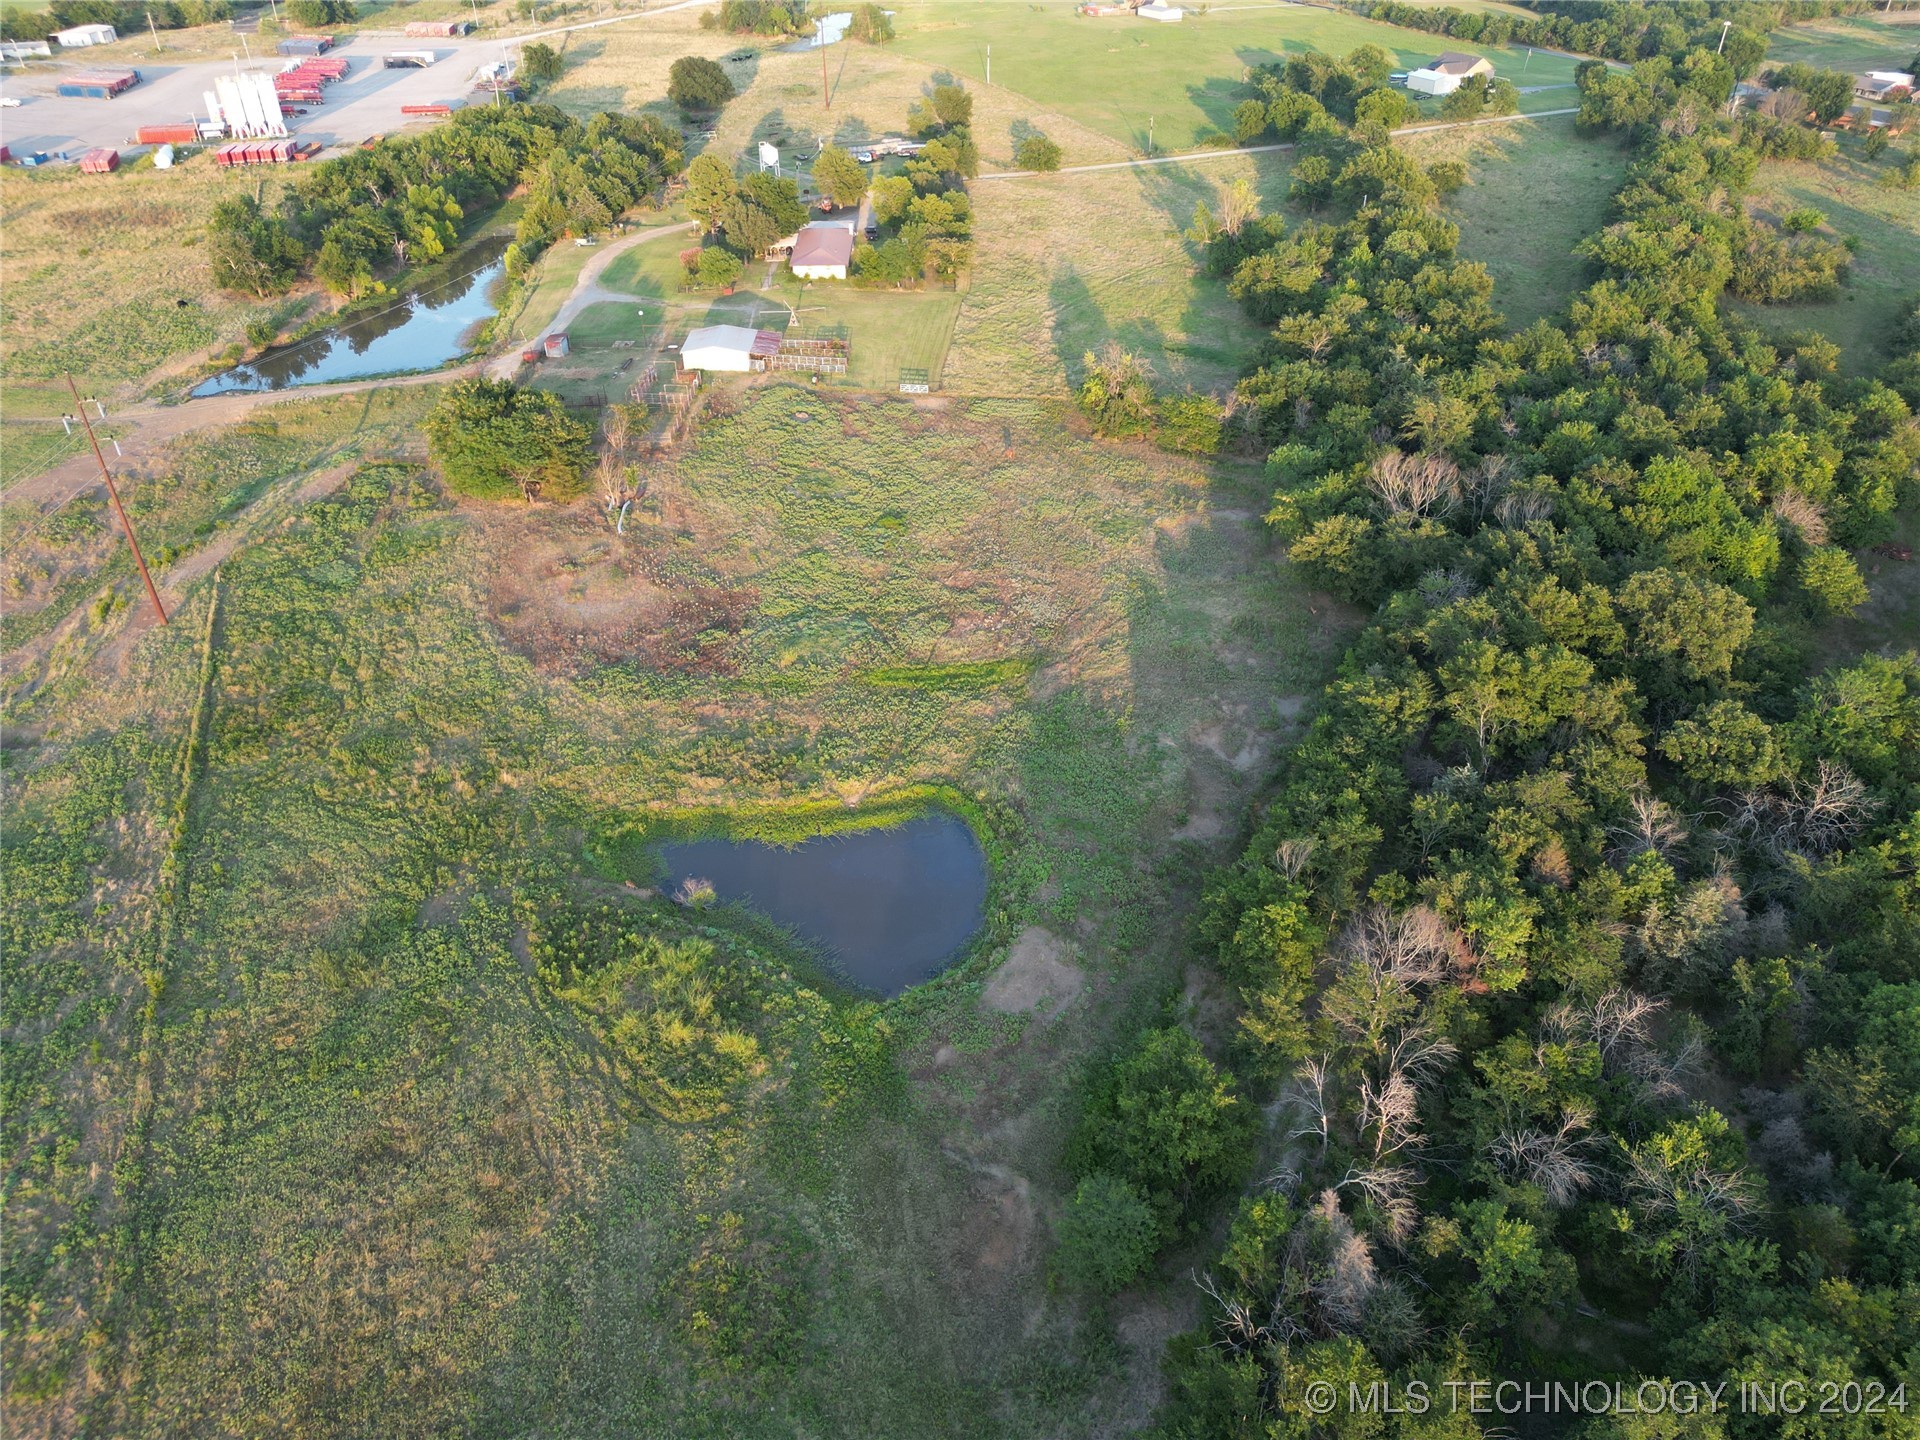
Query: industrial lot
column 369, row 100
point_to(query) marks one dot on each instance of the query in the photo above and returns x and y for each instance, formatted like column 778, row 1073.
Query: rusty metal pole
column 118, row 509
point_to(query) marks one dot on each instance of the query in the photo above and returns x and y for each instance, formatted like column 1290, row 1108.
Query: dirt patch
column 994, row 1240
column 569, row 592
column 1035, row 974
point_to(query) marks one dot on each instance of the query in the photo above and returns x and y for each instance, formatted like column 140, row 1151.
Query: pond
column 890, row 907
column 421, row 330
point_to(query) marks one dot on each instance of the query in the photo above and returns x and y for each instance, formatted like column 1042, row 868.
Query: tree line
column 1578, row 949
column 349, row 220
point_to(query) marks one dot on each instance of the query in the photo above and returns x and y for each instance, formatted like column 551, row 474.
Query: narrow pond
column 891, row 907
column 421, row 330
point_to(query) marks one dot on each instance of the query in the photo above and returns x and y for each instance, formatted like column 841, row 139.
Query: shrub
column 1107, row 1235
column 871, row 24
column 540, row 64
column 715, row 268
column 322, row 12
column 1805, row 219
column 491, row 439
column 1192, row 423
column 1117, row 395
column 1831, row 581
column 838, row 176
column 1037, row 152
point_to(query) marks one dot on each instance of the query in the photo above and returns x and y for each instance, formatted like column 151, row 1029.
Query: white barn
column 84, row 35
column 1448, row 73
column 738, row 348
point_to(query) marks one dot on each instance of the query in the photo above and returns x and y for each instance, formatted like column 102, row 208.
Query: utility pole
column 820, row 39
column 118, row 508
column 153, row 30
column 1725, row 26
column 1149, row 136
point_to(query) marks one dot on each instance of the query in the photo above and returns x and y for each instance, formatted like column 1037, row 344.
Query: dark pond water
column 892, row 907
column 421, row 330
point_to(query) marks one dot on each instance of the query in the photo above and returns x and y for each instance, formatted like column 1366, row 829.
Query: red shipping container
column 100, row 162
column 166, row 135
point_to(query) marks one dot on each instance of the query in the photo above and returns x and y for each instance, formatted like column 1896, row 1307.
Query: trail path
column 587, row 290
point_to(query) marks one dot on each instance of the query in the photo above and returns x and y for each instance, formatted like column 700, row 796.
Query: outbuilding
column 101, row 161
column 555, row 345
column 81, row 36
column 822, row 251
column 1448, row 73
column 737, row 348
column 1166, row 14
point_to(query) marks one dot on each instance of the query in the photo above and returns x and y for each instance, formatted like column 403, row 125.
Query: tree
column 1722, row 745
column 717, row 268
column 1249, row 121
column 872, row 25
column 1036, row 152
column 953, row 105
column 838, row 176
column 710, row 189
column 1831, row 581
column 540, row 63
column 492, row 439
column 1107, row 1235
column 251, row 251
column 891, row 196
column 697, row 84
column 1163, row 1119
column 322, row 12
column 1117, row 395
column 1464, row 103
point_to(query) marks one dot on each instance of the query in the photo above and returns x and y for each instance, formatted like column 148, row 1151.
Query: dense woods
column 404, row 202
column 1576, row 950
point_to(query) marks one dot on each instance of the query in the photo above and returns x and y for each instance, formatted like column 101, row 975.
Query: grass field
column 1850, row 42
column 106, row 276
column 1534, row 191
column 1121, row 77
column 1886, row 262
column 390, row 1179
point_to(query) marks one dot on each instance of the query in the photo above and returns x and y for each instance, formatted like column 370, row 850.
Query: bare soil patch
column 1036, row 973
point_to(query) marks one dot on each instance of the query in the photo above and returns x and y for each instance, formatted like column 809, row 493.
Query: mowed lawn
column 1124, row 77
column 1534, row 191
column 1885, row 225
column 1852, row 42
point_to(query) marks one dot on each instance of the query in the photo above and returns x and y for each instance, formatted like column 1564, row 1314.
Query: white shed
column 83, row 35
column 1157, row 11
column 1448, row 73
column 728, row 347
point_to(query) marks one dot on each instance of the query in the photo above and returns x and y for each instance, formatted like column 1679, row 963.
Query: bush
column 838, row 176
column 540, row 64
column 1466, row 103
column 871, row 24
column 322, row 12
column 491, row 440
column 1107, row 1235
column 1037, row 152
column 1832, row 581
column 1447, row 175
column 697, row 84
column 1117, row 395
column 1192, row 423
column 1803, row 220
column 716, row 269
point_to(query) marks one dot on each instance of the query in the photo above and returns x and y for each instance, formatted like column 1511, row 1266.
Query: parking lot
column 367, row 102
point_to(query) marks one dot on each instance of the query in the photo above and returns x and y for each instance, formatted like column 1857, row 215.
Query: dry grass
column 94, row 268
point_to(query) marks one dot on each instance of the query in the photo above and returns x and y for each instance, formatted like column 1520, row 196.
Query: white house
column 1448, row 73
column 83, row 35
column 729, row 347
column 822, row 251
column 1884, row 85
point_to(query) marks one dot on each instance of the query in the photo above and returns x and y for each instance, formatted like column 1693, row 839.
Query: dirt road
column 587, row 290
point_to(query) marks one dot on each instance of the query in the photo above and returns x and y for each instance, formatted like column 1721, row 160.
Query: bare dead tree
column 1311, row 1082
column 1649, row 825
column 1519, row 508
column 1803, row 514
column 1238, row 207
column 1415, row 484
column 1390, row 1189
column 1290, row 857
column 1554, row 1160
column 1240, row 1332
column 1349, row 1276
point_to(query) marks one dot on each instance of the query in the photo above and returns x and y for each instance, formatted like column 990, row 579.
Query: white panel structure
column 248, row 106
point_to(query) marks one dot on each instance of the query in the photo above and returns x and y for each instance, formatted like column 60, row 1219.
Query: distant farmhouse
column 1448, row 73
column 1884, row 85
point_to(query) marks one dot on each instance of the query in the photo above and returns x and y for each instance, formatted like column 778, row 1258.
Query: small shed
column 822, row 251
column 81, row 36
column 737, row 348
column 1167, row 14
column 102, row 161
column 555, row 345
column 1448, row 73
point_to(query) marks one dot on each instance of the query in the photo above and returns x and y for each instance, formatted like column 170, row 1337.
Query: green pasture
column 1126, row 77
column 1849, row 42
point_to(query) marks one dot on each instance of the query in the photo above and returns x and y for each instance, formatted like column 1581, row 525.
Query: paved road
column 1185, row 157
